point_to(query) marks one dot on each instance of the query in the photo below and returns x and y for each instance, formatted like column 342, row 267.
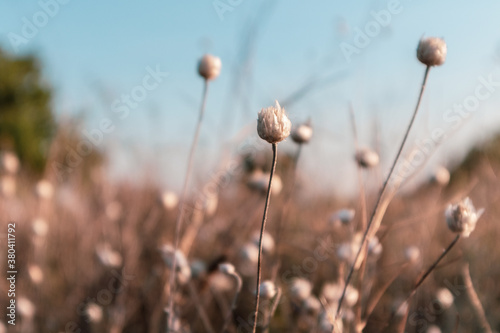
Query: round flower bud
column 441, row 176
column 267, row 290
column 9, row 163
column 433, row 329
column 273, row 124
column 300, row 289
column 344, row 216
column 40, row 227
column 431, row 51
column 44, row 189
column 444, row 297
column 227, row 268
column 26, row 308
column 169, row 200
column 209, row 67
column 302, row 133
column 412, row 254
column 462, row 217
column 367, row 158
column 267, row 241
column 94, row 312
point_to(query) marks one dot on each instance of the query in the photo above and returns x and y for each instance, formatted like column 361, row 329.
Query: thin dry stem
column 180, row 216
column 474, row 300
column 262, row 229
column 239, row 284
column 381, row 205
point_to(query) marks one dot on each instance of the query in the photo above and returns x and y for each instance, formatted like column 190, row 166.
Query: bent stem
column 239, row 284
column 180, row 216
column 263, row 227
column 382, row 192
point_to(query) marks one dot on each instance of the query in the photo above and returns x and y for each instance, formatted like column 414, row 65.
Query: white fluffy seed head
column 9, row 162
column 94, row 312
column 8, row 186
column 267, row 290
column 40, row 227
column 444, row 298
column 344, row 216
column 441, row 176
column 300, row 289
column 302, row 133
column 260, row 181
column 182, row 267
column 462, row 217
column 108, row 257
column 311, row 304
column 227, row 268
column 169, row 200
column 209, row 67
column 35, row 273
column 433, row 329
column 26, row 308
column 273, row 124
column 367, row 158
column 431, row 51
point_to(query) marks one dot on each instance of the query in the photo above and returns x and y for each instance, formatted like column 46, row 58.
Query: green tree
column 26, row 120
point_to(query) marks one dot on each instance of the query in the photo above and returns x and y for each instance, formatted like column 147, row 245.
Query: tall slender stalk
column 383, row 191
column 262, row 229
column 239, row 284
column 180, row 216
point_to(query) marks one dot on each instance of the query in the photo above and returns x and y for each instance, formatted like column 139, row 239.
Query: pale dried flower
column 273, row 124
column 412, row 254
column 169, row 200
column 210, row 204
column 344, row 216
column 399, row 308
column 108, row 257
column 9, row 162
column 40, row 227
column 333, row 291
column 94, row 312
column 221, row 282
column 35, row 273
column 300, row 289
column 267, row 241
column 209, row 67
column 260, row 181
column 433, row 329
column 367, row 158
column 374, row 246
column 44, row 189
column 445, row 298
column 311, row 304
column 441, row 176
column 462, row 217
column 302, row 133
column 182, row 268
column 267, row 289
column 431, row 51
column 8, row 186
column 227, row 268
column 26, row 307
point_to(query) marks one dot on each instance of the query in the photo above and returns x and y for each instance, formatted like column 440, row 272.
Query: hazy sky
column 94, row 52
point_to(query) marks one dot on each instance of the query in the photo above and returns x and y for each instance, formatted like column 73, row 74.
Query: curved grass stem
column 262, row 229
column 382, row 194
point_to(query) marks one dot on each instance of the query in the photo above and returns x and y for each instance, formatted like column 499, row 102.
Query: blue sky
column 93, row 52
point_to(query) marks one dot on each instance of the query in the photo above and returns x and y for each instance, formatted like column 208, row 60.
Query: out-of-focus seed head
column 300, row 289
column 40, row 227
column 182, row 267
column 35, row 273
column 26, row 308
column 344, row 216
column 311, row 305
column 9, row 162
column 249, row 255
column 210, row 204
column 445, row 298
column 198, row 268
column 462, row 217
column 209, row 67
column 273, row 124
column 113, row 210
column 441, row 176
column 221, row 282
column 399, row 308
column 169, row 200
column 302, row 133
column 374, row 246
column 259, row 181
column 431, row 51
column 8, row 186
column 367, row 158
column 93, row 312
column 433, row 329
column 227, row 268
column 108, row 257
column 44, row 189
column 327, row 322
column 267, row 290
column 267, row 241
column 412, row 254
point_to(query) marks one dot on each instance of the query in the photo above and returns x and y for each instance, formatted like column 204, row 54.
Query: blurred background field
column 92, row 178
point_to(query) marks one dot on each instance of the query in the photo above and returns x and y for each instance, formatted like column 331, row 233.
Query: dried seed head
column 311, row 304
column 300, row 289
column 267, row 241
column 35, row 273
column 44, row 189
column 198, row 268
column 94, row 312
column 209, row 67
column 302, row 133
column 267, row 290
column 40, row 227
column 367, row 158
column 26, row 308
column 431, row 51
column 273, row 124
column 345, row 216
column 444, row 298
column 374, row 246
column 8, row 186
column 169, row 200
column 108, row 257
column 433, row 329
column 113, row 210
column 441, row 176
column 227, row 268
column 9, row 162
column 260, row 181
column 462, row 217
column 181, row 264
column 412, row 254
